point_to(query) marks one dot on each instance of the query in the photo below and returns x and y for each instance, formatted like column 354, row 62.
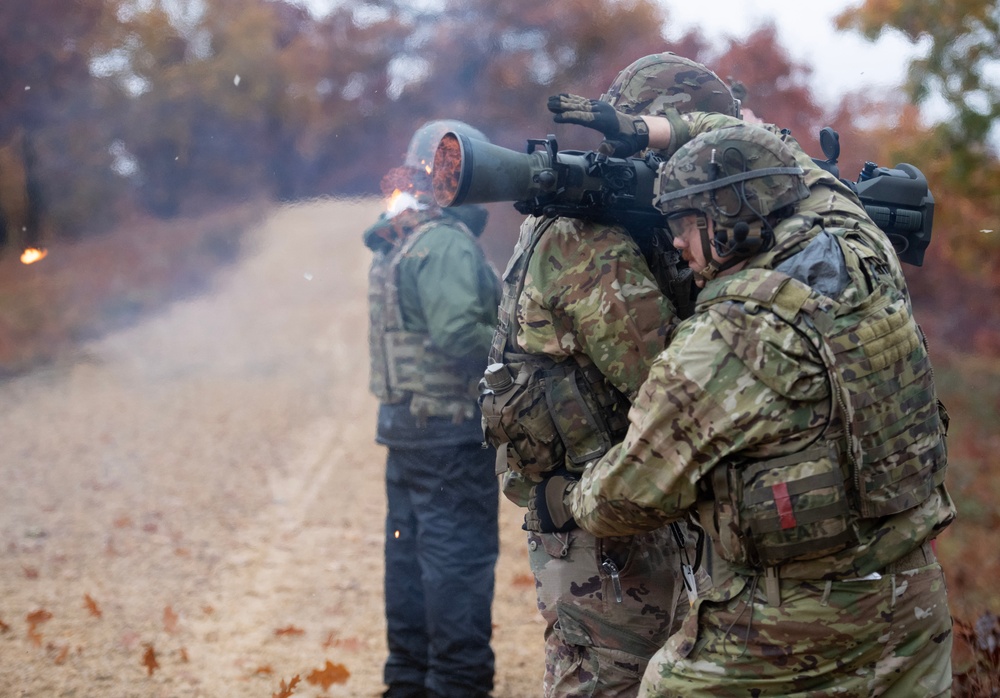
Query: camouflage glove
column 547, row 510
column 624, row 135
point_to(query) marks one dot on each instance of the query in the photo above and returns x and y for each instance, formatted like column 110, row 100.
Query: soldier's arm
column 729, row 383
column 670, row 131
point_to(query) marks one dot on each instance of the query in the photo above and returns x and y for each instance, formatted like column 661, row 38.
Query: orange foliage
column 34, row 619
column 149, row 660
column 351, row 644
column 329, row 675
column 285, row 691
column 289, row 630
column 523, row 581
column 777, row 88
column 91, row 606
column 977, row 657
column 62, row 655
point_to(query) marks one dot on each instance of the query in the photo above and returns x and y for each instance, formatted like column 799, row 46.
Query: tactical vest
column 541, row 414
column 406, row 363
column 883, row 451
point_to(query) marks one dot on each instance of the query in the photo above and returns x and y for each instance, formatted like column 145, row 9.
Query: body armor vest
column 406, row 363
column 541, row 414
column 883, row 451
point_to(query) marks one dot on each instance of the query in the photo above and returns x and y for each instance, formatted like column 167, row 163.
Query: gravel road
column 193, row 506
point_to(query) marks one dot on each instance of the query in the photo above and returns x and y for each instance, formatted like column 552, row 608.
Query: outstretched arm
column 624, row 135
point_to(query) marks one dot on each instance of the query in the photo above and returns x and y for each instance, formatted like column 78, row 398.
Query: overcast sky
column 841, row 61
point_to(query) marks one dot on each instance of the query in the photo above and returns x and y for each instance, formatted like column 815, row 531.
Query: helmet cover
column 662, row 81
column 738, row 173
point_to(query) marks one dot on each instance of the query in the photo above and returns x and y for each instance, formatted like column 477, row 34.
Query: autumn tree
column 772, row 85
column 959, row 155
column 46, row 93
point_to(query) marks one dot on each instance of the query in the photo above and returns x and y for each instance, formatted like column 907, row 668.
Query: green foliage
column 962, row 60
column 958, row 157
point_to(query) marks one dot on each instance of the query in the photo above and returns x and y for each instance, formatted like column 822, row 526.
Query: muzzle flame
column 33, row 254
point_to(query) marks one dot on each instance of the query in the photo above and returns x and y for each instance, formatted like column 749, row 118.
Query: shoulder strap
column 513, row 285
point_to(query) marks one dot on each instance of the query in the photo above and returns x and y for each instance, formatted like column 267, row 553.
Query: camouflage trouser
column 887, row 637
column 596, row 645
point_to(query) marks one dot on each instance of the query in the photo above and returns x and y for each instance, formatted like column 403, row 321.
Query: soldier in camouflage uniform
column 581, row 319
column 796, row 413
column 433, row 300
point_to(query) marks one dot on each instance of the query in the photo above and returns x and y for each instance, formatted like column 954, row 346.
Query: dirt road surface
column 194, row 506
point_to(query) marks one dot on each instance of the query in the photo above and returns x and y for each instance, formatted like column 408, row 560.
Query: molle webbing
column 881, row 384
column 896, row 431
column 547, row 414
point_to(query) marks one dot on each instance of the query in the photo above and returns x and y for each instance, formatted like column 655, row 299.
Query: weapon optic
column 897, row 199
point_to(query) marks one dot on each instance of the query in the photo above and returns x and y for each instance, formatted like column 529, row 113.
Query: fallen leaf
column 289, row 630
column 122, row 522
column 285, row 691
column 3, row 626
column 91, row 606
column 184, row 654
column 30, row 572
column 149, row 660
column 207, row 610
column 34, row 636
column 266, row 669
column 34, row 618
column 63, row 653
column 523, row 581
column 351, row 644
column 170, row 620
column 329, row 675
column 39, row 616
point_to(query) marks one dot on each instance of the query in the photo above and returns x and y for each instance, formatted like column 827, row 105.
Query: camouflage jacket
column 588, row 294
column 740, row 385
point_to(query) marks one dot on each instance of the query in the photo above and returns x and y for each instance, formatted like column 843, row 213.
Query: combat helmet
column 665, row 80
column 740, row 177
column 424, row 143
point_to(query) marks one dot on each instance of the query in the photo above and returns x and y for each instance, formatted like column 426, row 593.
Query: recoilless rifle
column 592, row 186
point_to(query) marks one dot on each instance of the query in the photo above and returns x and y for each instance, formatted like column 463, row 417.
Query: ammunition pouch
column 541, row 415
column 793, row 507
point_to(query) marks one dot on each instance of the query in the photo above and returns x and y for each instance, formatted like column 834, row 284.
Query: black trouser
column 441, row 547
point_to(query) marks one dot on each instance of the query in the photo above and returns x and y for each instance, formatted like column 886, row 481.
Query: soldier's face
column 687, row 241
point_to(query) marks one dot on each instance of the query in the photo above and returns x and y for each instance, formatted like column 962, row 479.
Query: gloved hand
column 547, row 510
column 624, row 135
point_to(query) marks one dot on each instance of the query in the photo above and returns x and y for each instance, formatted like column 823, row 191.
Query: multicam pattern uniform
column 589, row 295
column 739, row 384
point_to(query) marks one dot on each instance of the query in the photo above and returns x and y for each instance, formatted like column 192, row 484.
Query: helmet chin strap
column 739, row 253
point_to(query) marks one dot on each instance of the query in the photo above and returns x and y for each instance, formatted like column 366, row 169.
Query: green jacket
column 441, row 291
